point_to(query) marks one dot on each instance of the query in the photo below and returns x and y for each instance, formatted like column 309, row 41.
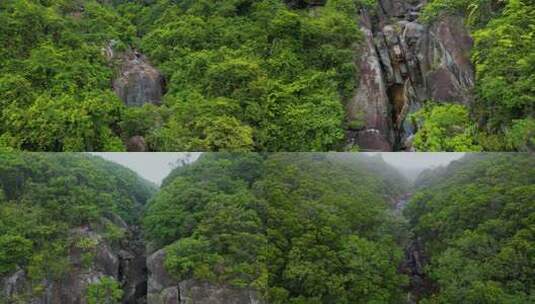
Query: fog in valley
column 156, row 166
column 151, row 166
column 412, row 164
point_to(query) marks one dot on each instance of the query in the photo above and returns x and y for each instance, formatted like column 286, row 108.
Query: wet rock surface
column 402, row 64
column 413, row 266
column 138, row 82
column 133, row 268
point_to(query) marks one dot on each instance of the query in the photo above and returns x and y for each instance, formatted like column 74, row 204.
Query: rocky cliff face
column 403, row 63
column 125, row 263
column 162, row 289
column 143, row 280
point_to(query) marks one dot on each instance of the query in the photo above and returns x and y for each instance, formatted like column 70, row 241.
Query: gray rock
column 13, row 284
column 404, row 63
column 138, row 82
column 371, row 103
column 163, row 289
column 158, row 279
column 137, row 144
column 195, row 292
column 124, row 265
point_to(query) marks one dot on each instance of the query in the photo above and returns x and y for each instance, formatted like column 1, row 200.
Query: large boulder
column 195, row 292
column 137, row 144
column 163, row 289
column 13, row 284
column 138, row 82
column 449, row 72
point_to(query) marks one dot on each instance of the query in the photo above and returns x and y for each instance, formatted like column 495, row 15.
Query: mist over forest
column 266, row 228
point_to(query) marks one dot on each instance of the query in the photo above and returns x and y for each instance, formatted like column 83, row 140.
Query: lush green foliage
column 210, row 222
column 303, row 228
column 504, row 60
column 105, row 291
column 298, row 227
column 330, row 239
column 475, row 219
column 248, row 74
column 44, row 198
column 506, row 86
column 444, row 127
column 55, row 85
column 242, row 74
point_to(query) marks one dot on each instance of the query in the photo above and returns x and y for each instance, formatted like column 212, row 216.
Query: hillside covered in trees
column 267, row 228
column 475, row 222
column 296, row 228
column 63, row 220
column 269, row 75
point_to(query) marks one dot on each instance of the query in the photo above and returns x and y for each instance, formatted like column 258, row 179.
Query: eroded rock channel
column 403, row 63
column 415, row 259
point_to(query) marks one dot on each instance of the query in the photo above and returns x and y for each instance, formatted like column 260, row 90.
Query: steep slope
column 242, row 228
column 68, row 230
column 403, row 64
column 281, row 228
column 474, row 223
column 207, row 233
column 332, row 238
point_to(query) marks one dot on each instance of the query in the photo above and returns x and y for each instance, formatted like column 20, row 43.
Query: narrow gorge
column 404, row 63
column 415, row 260
column 247, row 228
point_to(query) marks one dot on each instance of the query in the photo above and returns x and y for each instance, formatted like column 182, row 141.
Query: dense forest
column 476, row 222
column 240, row 75
column 267, row 228
column 56, row 213
column 298, row 228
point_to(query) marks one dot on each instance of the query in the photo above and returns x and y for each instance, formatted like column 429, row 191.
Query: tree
column 14, row 251
column 105, row 291
column 473, row 218
column 444, row 128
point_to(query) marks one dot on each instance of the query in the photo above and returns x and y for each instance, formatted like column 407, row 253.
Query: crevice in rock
column 403, row 63
column 133, row 273
column 415, row 260
column 419, row 284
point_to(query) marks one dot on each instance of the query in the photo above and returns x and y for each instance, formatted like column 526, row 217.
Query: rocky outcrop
column 138, row 82
column 402, row 64
column 163, row 289
column 123, row 263
column 413, row 267
column 370, row 107
column 137, row 144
